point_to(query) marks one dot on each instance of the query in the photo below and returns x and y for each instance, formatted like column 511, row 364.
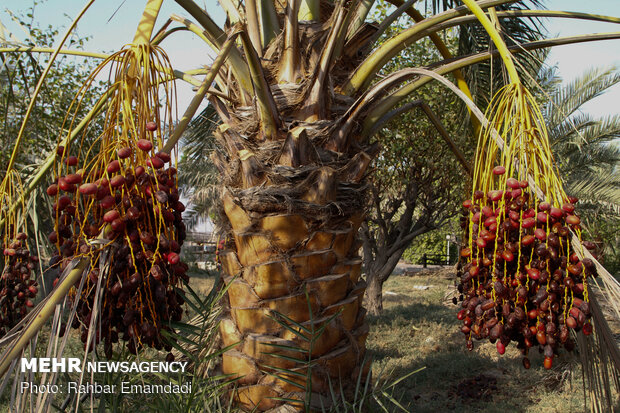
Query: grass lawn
column 418, row 328
column 201, row 281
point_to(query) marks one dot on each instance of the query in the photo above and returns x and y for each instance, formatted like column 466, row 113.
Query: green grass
column 201, row 281
column 418, row 328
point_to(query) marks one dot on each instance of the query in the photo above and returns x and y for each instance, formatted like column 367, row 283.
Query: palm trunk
column 292, row 249
column 293, row 168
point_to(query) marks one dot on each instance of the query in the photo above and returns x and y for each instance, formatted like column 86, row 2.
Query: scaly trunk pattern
column 292, row 204
column 293, row 156
column 293, row 225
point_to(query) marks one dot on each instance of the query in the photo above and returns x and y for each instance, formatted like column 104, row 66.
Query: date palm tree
column 293, row 164
column 297, row 91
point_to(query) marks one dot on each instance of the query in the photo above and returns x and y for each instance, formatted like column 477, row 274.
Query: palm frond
column 566, row 100
column 582, row 129
column 569, row 131
column 599, row 159
column 584, row 146
column 601, row 192
column 487, row 77
column 198, row 178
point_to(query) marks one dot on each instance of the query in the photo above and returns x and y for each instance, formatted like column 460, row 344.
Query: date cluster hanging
column 131, row 199
column 17, row 288
column 116, row 204
column 520, row 278
column 18, row 285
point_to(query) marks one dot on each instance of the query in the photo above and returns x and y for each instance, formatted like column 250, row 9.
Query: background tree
column 19, row 74
column 588, row 153
column 415, row 190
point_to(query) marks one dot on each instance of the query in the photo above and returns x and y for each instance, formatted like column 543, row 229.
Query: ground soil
column 418, row 329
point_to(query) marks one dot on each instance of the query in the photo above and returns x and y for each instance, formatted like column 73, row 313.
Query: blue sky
column 573, row 60
column 112, row 24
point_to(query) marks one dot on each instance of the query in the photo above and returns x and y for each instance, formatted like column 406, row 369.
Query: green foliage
column 199, row 180
column 417, row 181
column 587, row 152
column 434, row 242
column 19, row 74
column 586, row 148
column 412, row 150
column 416, row 164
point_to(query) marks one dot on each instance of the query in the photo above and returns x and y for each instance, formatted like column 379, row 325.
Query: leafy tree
column 416, row 188
column 19, row 74
column 417, row 178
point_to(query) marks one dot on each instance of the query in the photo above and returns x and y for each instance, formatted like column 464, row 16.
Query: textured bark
column 379, row 267
column 271, row 271
column 292, row 212
column 374, row 295
column 293, row 200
